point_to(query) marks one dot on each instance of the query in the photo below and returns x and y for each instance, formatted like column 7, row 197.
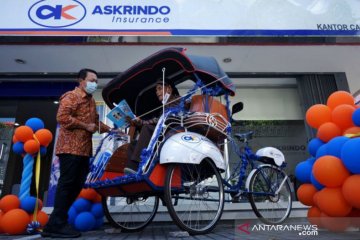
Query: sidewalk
column 240, row 229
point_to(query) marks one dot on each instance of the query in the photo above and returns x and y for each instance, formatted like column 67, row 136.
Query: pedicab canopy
column 137, row 84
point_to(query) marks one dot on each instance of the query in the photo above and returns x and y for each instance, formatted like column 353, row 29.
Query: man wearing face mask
column 78, row 121
column 171, row 99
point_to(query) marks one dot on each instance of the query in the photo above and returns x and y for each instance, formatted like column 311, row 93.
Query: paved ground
column 242, row 229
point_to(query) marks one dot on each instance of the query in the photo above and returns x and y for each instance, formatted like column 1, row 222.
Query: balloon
column 331, row 202
column 28, row 163
column 330, row 171
column 334, row 224
column 18, row 148
column 9, row 202
column 314, row 182
column 322, row 151
column 338, row 98
column 44, row 136
column 85, row 221
column 314, row 145
column 350, row 153
column 14, row 139
column 15, row 221
column 98, row 198
column 335, row 145
column 317, row 115
column 41, row 217
column 97, row 210
column 356, row 117
column 88, row 193
column 303, row 171
column 31, row 146
column 350, row 190
column 43, row 150
column 313, row 215
column 72, row 215
column 352, row 130
column 28, row 204
column 99, row 222
column 305, row 194
column 82, row 205
column 342, row 116
column 24, row 133
column 35, row 124
column 328, row 131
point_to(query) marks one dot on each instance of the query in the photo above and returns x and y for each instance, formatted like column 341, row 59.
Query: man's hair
column 83, row 73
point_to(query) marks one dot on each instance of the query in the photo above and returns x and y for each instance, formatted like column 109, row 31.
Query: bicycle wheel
column 194, row 196
column 131, row 214
column 270, row 197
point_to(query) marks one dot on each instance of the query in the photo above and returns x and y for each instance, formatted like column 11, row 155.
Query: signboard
column 181, row 17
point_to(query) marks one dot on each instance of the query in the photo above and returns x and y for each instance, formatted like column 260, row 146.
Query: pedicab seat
column 208, row 117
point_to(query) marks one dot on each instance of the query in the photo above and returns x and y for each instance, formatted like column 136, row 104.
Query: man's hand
column 133, row 122
column 91, row 127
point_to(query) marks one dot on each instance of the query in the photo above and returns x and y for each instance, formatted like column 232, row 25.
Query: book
column 119, row 113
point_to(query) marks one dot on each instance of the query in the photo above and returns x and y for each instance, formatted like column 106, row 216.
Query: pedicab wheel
column 270, row 195
column 194, row 196
column 131, row 214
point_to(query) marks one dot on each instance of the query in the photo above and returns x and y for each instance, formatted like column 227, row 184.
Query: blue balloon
column 356, row 117
column 72, row 215
column 322, row 151
column 311, row 160
column 28, row 204
column 316, row 184
column 85, row 221
column 43, row 150
column 18, row 148
column 82, row 205
column 314, row 145
column 97, row 210
column 99, row 222
column 303, row 171
column 35, row 124
column 335, row 145
column 350, row 153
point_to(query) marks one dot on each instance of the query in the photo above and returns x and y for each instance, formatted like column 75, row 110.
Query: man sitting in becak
column 171, row 99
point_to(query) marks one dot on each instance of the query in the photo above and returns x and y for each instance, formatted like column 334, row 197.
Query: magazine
column 118, row 114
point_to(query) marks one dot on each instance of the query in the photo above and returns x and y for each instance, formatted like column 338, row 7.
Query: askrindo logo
column 57, row 14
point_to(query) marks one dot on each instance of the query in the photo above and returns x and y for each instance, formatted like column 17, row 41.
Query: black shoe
column 63, row 232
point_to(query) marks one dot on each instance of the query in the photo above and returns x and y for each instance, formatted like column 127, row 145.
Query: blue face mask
column 90, row 87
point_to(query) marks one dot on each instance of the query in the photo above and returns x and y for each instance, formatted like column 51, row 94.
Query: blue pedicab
column 186, row 170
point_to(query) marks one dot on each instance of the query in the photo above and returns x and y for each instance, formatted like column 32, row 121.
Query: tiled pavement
column 224, row 230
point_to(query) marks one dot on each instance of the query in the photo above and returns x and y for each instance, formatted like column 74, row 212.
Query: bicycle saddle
column 244, row 136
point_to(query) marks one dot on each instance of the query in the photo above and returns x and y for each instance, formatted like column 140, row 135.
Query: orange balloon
column 31, row 146
column 313, row 216
column 305, row 194
column 332, row 202
column 98, row 198
column 24, row 133
column 15, row 221
column 328, row 131
column 317, row 115
column 334, row 224
column 41, row 217
column 44, row 136
column 1, row 215
column 14, row 139
column 351, row 190
column 88, row 193
column 338, row 98
column 315, row 199
column 342, row 116
column 330, row 171
column 352, row 130
column 9, row 202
